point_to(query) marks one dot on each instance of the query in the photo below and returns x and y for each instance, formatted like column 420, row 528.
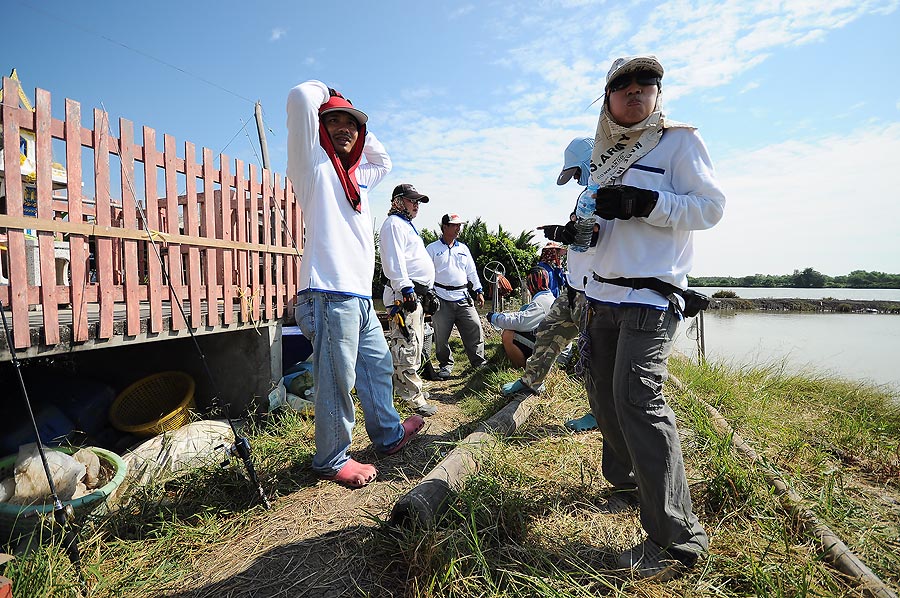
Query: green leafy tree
column 807, row 279
column 517, row 253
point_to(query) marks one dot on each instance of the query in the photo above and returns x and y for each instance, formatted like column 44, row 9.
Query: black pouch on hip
column 694, row 302
column 429, row 299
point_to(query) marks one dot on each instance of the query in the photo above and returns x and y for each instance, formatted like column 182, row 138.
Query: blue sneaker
column 518, row 387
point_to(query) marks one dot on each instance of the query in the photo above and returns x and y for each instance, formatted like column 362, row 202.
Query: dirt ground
column 309, row 543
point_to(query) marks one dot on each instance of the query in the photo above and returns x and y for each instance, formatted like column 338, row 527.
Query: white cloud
column 461, row 11
column 277, row 34
column 820, row 202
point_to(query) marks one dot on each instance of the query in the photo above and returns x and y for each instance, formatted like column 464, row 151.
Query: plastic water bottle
column 584, row 219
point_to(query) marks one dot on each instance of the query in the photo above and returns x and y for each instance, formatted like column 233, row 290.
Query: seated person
column 551, row 261
column 519, row 327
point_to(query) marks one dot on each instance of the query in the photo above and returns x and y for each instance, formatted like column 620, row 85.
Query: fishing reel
column 493, row 271
column 240, row 449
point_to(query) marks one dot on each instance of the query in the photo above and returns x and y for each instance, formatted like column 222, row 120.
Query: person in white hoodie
column 407, row 294
column 327, row 139
column 563, row 323
column 656, row 187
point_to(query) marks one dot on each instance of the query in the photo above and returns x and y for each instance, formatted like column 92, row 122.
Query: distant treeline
column 807, row 278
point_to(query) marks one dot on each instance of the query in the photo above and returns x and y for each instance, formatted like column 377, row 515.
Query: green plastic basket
column 17, row 521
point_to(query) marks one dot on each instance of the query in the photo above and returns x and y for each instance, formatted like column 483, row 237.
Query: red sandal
column 349, row 475
column 411, row 426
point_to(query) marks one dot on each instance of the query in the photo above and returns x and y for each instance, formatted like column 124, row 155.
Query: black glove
column 410, row 300
column 332, row 92
column 624, row 201
column 490, row 315
column 561, row 233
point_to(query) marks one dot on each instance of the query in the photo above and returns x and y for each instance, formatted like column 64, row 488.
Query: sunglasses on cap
column 643, row 78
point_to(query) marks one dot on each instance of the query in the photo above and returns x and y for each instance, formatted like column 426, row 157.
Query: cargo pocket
column 645, row 384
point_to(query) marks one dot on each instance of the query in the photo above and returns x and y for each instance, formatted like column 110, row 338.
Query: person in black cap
column 410, row 278
column 454, row 272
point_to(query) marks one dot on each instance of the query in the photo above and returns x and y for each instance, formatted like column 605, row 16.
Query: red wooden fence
column 229, row 246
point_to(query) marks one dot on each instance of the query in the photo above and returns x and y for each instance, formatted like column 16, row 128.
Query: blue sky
column 798, row 102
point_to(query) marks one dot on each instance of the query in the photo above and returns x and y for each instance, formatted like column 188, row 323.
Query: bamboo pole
column 429, row 498
column 836, row 552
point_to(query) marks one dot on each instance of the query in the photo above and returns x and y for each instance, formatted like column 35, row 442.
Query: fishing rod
column 63, row 515
column 241, row 446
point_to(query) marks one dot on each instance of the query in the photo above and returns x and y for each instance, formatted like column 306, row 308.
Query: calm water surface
column 864, row 347
column 782, row 293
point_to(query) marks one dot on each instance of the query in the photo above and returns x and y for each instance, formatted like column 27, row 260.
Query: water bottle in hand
column 584, row 219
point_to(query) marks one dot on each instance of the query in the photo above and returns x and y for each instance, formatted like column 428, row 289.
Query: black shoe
column 444, row 373
column 648, row 560
column 425, row 410
column 618, row 501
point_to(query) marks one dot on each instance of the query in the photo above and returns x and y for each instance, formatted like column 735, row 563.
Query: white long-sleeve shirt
column 404, row 259
column 529, row 317
column 453, row 267
column 339, row 247
column 660, row 245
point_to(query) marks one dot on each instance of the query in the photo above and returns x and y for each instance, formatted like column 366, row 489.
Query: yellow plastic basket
column 154, row 404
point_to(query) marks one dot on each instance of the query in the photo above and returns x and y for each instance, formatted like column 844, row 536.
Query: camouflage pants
column 555, row 332
column 406, row 354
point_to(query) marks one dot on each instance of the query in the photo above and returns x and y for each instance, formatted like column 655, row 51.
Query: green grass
column 527, row 523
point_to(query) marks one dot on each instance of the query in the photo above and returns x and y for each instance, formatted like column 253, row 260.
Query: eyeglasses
column 416, row 201
column 643, row 78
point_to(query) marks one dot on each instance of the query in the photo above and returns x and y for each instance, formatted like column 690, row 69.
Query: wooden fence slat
column 208, row 229
column 103, row 258
column 290, row 286
column 223, row 228
column 78, row 247
column 43, row 170
column 176, row 262
column 151, row 210
column 131, row 270
column 266, row 200
column 192, row 227
column 240, row 217
column 299, row 238
column 15, row 239
column 279, row 240
column 255, row 265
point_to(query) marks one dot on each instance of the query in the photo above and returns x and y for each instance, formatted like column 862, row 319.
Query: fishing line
column 233, row 137
column 63, row 515
column 241, row 446
column 136, row 51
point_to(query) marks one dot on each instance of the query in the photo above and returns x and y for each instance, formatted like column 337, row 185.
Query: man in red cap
column 327, row 139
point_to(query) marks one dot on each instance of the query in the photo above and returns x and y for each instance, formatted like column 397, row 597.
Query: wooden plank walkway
column 120, row 334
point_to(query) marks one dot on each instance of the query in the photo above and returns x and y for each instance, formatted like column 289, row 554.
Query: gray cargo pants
column 630, row 347
column 465, row 316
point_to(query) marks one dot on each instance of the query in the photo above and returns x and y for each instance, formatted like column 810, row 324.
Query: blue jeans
column 349, row 350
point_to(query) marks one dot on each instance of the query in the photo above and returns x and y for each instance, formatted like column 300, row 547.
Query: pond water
column 790, row 293
column 862, row 347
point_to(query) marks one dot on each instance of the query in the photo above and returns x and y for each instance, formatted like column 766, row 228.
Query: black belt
column 694, row 302
column 451, row 288
column 654, row 284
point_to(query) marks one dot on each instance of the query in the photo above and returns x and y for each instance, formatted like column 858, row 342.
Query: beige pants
column 407, row 357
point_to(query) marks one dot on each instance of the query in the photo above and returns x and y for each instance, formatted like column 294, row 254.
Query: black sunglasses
column 643, row 78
